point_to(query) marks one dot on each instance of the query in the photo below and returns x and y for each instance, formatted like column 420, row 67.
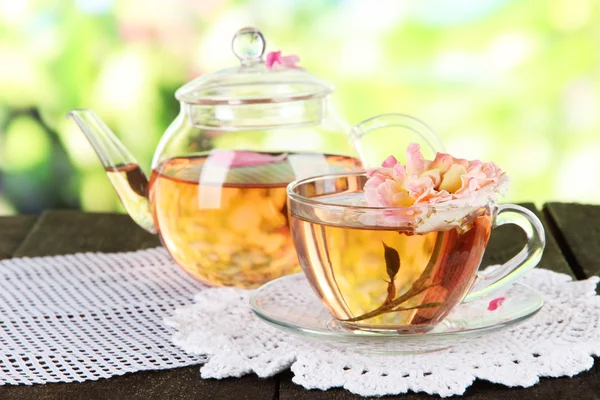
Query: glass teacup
column 402, row 269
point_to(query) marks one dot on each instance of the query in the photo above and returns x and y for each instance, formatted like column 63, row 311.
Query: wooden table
column 573, row 247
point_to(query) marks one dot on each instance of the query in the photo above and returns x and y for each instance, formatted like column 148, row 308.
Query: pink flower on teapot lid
column 275, row 61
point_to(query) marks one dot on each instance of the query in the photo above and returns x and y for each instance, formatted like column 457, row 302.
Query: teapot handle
column 412, row 125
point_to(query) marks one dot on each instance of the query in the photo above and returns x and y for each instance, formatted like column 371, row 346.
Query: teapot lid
column 254, row 81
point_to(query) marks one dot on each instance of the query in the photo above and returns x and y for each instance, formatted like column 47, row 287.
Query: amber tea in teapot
column 228, row 224
column 233, row 232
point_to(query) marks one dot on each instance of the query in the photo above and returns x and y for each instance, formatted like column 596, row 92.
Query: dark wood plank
column 505, row 242
column 65, row 232
column 577, row 228
column 13, row 230
column 174, row 384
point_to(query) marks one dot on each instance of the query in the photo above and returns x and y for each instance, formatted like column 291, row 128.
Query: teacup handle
column 412, row 125
column 526, row 259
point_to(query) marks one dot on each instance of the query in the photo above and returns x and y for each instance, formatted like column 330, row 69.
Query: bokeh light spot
column 97, row 194
column 14, row 11
column 570, row 15
column 26, row 145
column 579, row 174
column 123, row 80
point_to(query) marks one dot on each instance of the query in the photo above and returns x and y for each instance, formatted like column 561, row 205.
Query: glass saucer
column 288, row 303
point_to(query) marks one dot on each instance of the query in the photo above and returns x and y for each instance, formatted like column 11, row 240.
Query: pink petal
column 434, row 175
column 399, row 173
column 290, row 61
column 469, row 184
column 415, row 163
column 494, row 304
column 372, row 196
column 492, row 171
column 380, row 172
column 420, row 188
column 386, row 191
column 374, row 182
column 392, row 189
column 373, row 172
column 461, row 161
column 474, row 166
column 441, row 197
column 273, row 57
column 442, row 161
column 389, row 162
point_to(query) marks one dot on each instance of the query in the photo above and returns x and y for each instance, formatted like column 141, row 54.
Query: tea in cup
column 388, row 267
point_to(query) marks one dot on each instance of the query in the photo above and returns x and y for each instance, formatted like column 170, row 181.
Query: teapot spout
column 122, row 168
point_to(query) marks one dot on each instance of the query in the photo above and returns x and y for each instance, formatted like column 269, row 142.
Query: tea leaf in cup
column 392, row 261
column 420, row 285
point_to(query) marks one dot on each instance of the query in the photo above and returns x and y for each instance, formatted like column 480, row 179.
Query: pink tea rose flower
column 275, row 61
column 422, row 182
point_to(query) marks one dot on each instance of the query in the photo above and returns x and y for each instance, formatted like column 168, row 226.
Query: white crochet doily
column 89, row 316
column 559, row 340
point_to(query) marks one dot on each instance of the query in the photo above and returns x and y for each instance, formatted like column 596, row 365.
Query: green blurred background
column 516, row 82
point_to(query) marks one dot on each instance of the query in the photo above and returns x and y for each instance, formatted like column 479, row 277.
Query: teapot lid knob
column 248, row 45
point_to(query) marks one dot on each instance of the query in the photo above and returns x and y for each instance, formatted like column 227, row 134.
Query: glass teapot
column 217, row 191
